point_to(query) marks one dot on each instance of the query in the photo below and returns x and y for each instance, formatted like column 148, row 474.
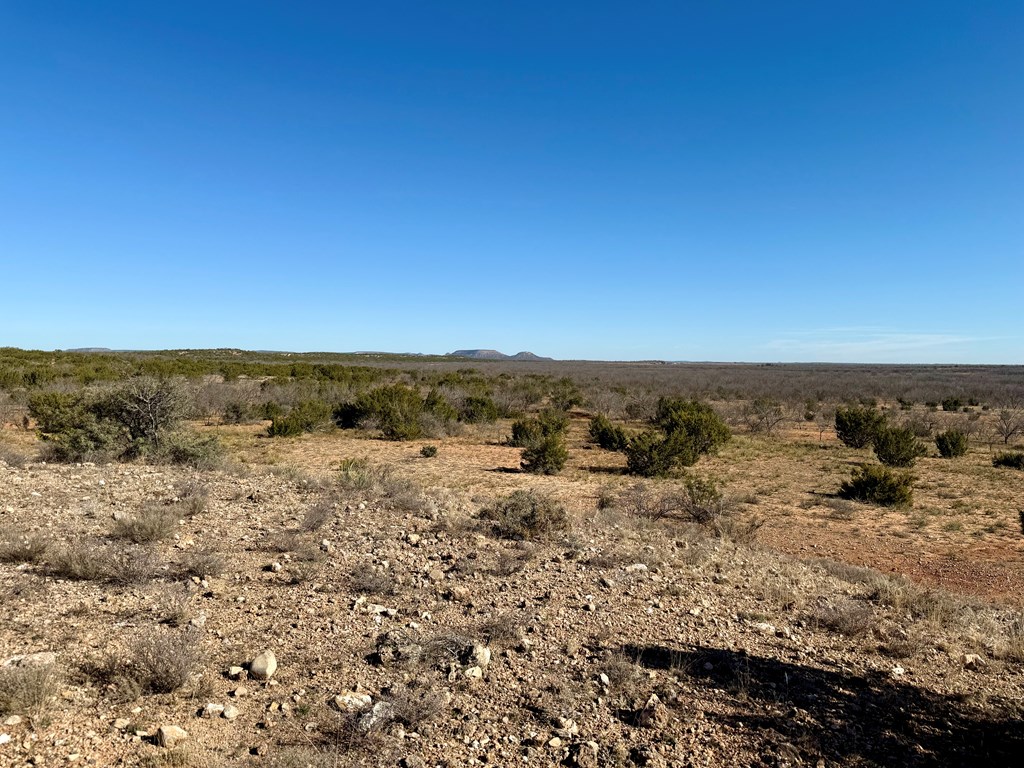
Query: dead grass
column 120, row 565
column 193, row 496
column 12, row 456
column 851, row 618
column 152, row 523
column 27, row 689
column 163, row 660
column 16, row 548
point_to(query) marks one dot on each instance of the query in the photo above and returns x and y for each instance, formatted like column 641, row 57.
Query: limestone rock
column 169, row 736
column 263, row 666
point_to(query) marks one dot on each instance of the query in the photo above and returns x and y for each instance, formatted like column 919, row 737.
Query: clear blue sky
column 677, row 180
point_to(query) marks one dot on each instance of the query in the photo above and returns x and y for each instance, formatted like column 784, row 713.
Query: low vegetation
column 876, row 484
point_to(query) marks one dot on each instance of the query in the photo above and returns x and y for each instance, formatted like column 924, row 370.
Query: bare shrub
column 153, row 522
column 318, row 515
column 525, row 515
column 850, row 618
column 203, row 563
column 193, row 496
column 22, row 548
column 412, row 706
column 501, row 631
column 12, row 457
column 121, row 565
column 370, row 581
column 163, row 660
column 27, row 689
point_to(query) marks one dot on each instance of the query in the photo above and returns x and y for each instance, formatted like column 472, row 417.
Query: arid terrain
column 410, row 624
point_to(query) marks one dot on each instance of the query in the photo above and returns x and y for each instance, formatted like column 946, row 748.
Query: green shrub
column 857, row 426
column 880, row 485
column 607, row 435
column 237, row 412
column 653, row 454
column 478, row 409
column 1011, row 459
column 525, row 515
column 438, row 404
column 952, row 404
column 898, row 447
column 191, row 450
column 546, row 456
column 396, row 410
column 428, row 451
column 694, row 426
column 72, row 430
column 527, row 432
column 951, row 443
column 306, row 416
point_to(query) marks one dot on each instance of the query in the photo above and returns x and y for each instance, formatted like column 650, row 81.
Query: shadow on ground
column 847, row 718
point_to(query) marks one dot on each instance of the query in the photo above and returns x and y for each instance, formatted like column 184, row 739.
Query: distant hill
column 493, row 354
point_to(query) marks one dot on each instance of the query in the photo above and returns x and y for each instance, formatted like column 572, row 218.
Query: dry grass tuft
column 318, row 515
column 27, row 689
column 153, row 522
column 163, row 660
column 12, row 457
column 193, row 496
column 122, row 565
column 850, row 618
column 22, row 548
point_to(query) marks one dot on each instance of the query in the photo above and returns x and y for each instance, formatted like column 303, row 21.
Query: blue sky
column 677, row 180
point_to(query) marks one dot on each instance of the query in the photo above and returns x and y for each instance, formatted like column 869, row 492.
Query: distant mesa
column 90, row 350
column 493, row 354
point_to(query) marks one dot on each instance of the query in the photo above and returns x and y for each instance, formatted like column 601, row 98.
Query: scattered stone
column 12, row 721
column 413, row 539
column 973, row 661
column 276, row 567
column 605, row 680
column 41, row 659
column 474, row 673
column 898, row 671
column 396, row 646
column 122, row 723
column 168, row 736
column 635, row 568
column 213, row 710
column 4, row 738
column 584, row 755
column 240, row 691
column 764, row 628
column 554, row 742
column 654, row 714
column 381, row 713
column 263, row 666
column 352, row 701
column 230, row 712
column 236, row 673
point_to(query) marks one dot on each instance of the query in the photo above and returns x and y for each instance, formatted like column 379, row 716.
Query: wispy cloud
column 866, row 344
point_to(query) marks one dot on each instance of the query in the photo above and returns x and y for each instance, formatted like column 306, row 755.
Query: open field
column 416, row 620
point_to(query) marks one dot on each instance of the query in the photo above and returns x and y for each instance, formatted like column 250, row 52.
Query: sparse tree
column 764, row 415
column 1009, row 423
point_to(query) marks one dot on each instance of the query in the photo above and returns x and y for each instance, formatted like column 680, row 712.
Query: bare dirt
column 619, row 641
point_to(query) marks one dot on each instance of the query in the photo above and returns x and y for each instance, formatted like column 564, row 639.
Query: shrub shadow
column 846, row 717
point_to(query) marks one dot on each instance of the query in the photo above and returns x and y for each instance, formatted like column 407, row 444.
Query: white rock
column 230, row 712
column 12, row 721
column 474, row 673
column 972, row 661
column 41, row 659
column 213, row 710
column 236, row 673
column 263, row 666
column 352, row 701
column 170, row 735
column 4, row 738
column 635, row 568
column 121, row 723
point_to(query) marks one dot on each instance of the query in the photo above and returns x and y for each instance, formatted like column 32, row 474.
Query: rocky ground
column 285, row 619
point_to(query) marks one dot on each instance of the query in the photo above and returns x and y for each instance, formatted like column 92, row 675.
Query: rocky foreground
column 154, row 616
